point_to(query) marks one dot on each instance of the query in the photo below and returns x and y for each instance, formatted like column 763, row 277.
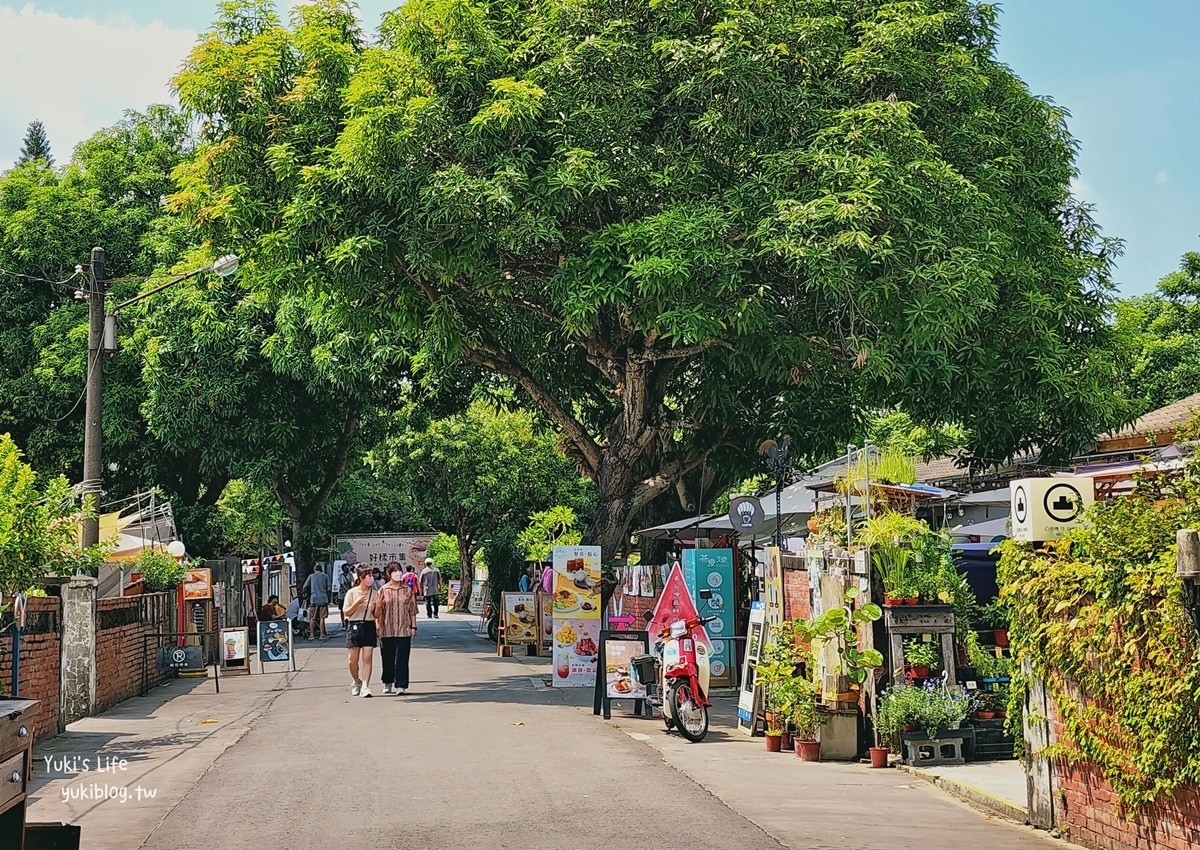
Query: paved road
column 479, row 754
column 475, row 755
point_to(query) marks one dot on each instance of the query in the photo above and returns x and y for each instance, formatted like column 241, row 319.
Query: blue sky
column 1128, row 73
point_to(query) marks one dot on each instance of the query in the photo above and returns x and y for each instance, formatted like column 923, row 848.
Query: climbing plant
column 1100, row 616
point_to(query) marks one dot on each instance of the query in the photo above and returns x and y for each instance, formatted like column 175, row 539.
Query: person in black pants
column 431, row 588
column 396, row 617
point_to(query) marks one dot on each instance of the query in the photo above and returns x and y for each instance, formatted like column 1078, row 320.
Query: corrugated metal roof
column 1157, row 421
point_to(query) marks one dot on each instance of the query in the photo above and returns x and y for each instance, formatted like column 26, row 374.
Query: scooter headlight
column 678, row 629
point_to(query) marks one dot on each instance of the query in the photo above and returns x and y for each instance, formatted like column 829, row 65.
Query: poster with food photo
column 619, row 684
column 576, row 651
column 520, row 618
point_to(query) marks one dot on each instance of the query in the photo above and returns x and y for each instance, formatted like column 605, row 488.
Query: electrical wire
column 92, row 364
column 61, row 284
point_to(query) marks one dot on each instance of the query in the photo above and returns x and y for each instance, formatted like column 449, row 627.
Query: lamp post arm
column 135, row 299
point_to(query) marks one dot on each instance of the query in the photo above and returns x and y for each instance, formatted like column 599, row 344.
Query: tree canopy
column 1162, row 333
column 676, row 229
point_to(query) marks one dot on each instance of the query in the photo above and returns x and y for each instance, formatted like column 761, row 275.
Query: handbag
column 362, row 632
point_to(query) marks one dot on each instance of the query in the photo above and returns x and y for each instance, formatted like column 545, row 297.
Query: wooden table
column 16, row 764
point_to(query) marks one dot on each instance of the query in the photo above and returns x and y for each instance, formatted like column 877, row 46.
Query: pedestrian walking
column 431, row 587
column 410, row 578
column 317, row 589
column 358, row 611
column 396, row 618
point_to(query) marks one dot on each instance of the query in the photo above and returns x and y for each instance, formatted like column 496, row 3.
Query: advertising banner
column 520, row 618
column 576, row 613
column 452, row 593
column 618, row 651
column 712, row 569
column 773, row 579
column 274, row 643
column 197, row 584
column 379, row 550
column 234, row 644
column 477, row 603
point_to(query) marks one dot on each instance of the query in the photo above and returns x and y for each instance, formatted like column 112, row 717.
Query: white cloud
column 1163, row 178
column 1081, row 190
column 78, row 75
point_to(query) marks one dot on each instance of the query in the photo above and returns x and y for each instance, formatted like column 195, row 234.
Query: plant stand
column 839, row 734
column 906, row 620
column 920, row 751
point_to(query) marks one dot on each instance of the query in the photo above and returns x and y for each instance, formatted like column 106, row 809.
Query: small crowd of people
column 379, row 610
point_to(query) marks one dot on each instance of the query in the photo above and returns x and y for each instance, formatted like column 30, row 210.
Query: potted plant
column 840, row 626
column 921, row 656
column 985, row 706
column 994, row 617
column 806, row 718
column 890, row 536
column 895, row 711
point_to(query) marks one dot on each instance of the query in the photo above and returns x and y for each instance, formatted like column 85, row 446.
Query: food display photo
column 576, row 651
column 618, row 682
column 520, row 618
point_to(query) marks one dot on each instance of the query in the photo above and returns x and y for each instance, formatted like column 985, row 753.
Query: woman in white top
column 359, row 605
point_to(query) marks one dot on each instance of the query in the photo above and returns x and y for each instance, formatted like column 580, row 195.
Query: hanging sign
column 197, row 584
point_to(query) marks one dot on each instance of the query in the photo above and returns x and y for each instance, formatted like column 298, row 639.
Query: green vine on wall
column 1100, row 617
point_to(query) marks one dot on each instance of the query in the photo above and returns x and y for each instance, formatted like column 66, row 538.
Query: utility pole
column 93, row 435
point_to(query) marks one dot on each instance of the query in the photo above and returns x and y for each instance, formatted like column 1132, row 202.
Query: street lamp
column 102, row 338
column 781, row 465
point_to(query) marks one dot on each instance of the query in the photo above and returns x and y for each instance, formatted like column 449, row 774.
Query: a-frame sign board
column 750, row 695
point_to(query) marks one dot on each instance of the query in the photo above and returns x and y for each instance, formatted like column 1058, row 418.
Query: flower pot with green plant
column 922, row 657
column 994, row 617
column 891, row 537
column 839, row 626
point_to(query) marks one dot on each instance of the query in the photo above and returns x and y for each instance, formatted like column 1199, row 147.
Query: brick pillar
column 78, row 649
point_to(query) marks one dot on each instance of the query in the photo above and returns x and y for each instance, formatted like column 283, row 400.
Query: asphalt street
column 480, row 753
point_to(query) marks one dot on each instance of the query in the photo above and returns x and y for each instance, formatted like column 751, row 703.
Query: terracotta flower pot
column 910, row 727
column 785, row 741
column 808, row 750
column 892, row 600
column 879, row 756
column 912, row 600
column 985, row 715
column 774, row 743
column 919, row 671
column 1001, row 637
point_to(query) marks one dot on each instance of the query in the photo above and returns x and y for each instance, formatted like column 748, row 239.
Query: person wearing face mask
column 396, row 618
column 359, row 611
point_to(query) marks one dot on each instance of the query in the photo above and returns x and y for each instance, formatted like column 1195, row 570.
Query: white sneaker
column 355, row 688
column 387, row 689
column 365, row 692
column 403, row 691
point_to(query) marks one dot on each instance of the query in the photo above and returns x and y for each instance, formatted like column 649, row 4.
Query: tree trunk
column 466, row 570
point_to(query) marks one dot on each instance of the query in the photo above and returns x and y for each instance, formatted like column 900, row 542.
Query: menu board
column 233, row 645
column 618, row 652
column 197, row 584
column 274, row 642
column 712, row 569
column 520, row 618
column 576, row 615
column 452, row 593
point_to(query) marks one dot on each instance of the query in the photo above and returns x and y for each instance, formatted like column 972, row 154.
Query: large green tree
column 676, row 227
column 480, row 475
column 1162, row 332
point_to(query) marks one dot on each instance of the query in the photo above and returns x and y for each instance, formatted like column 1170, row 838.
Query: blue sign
column 712, row 569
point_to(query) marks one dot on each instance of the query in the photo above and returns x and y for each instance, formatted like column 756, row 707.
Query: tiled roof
column 943, row 468
column 1157, row 421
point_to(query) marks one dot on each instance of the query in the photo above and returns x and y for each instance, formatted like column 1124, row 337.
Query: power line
column 92, row 363
column 59, row 283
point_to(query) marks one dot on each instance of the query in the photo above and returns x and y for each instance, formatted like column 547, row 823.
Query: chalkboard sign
column 274, row 642
column 613, row 674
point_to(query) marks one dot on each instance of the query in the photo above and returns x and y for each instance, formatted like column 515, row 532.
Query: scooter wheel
column 691, row 717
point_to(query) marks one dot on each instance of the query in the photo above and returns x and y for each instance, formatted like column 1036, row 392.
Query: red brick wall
column 40, row 676
column 796, row 602
column 119, row 655
column 1088, row 810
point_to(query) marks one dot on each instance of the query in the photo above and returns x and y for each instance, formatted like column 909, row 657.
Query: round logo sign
column 714, row 579
column 1063, row 503
column 1020, row 504
column 715, row 627
column 717, row 668
column 746, row 514
column 178, row 656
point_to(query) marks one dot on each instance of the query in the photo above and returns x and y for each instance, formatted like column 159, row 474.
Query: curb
column 971, row 794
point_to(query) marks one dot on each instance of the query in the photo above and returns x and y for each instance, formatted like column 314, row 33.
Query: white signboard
column 378, row 550
column 1046, row 508
column 749, row 695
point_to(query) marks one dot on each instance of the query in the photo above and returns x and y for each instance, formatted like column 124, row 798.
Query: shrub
column 160, row 572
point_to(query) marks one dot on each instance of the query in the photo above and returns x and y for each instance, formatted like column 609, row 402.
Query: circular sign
column 1020, row 505
column 718, row 647
column 746, row 514
column 715, row 627
column 178, row 656
column 717, row 668
column 1063, row 503
column 714, row 579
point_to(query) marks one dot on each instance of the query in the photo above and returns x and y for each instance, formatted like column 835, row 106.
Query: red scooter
column 677, row 680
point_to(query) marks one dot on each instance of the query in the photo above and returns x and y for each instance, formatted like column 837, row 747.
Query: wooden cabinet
column 16, row 762
column 16, row 758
